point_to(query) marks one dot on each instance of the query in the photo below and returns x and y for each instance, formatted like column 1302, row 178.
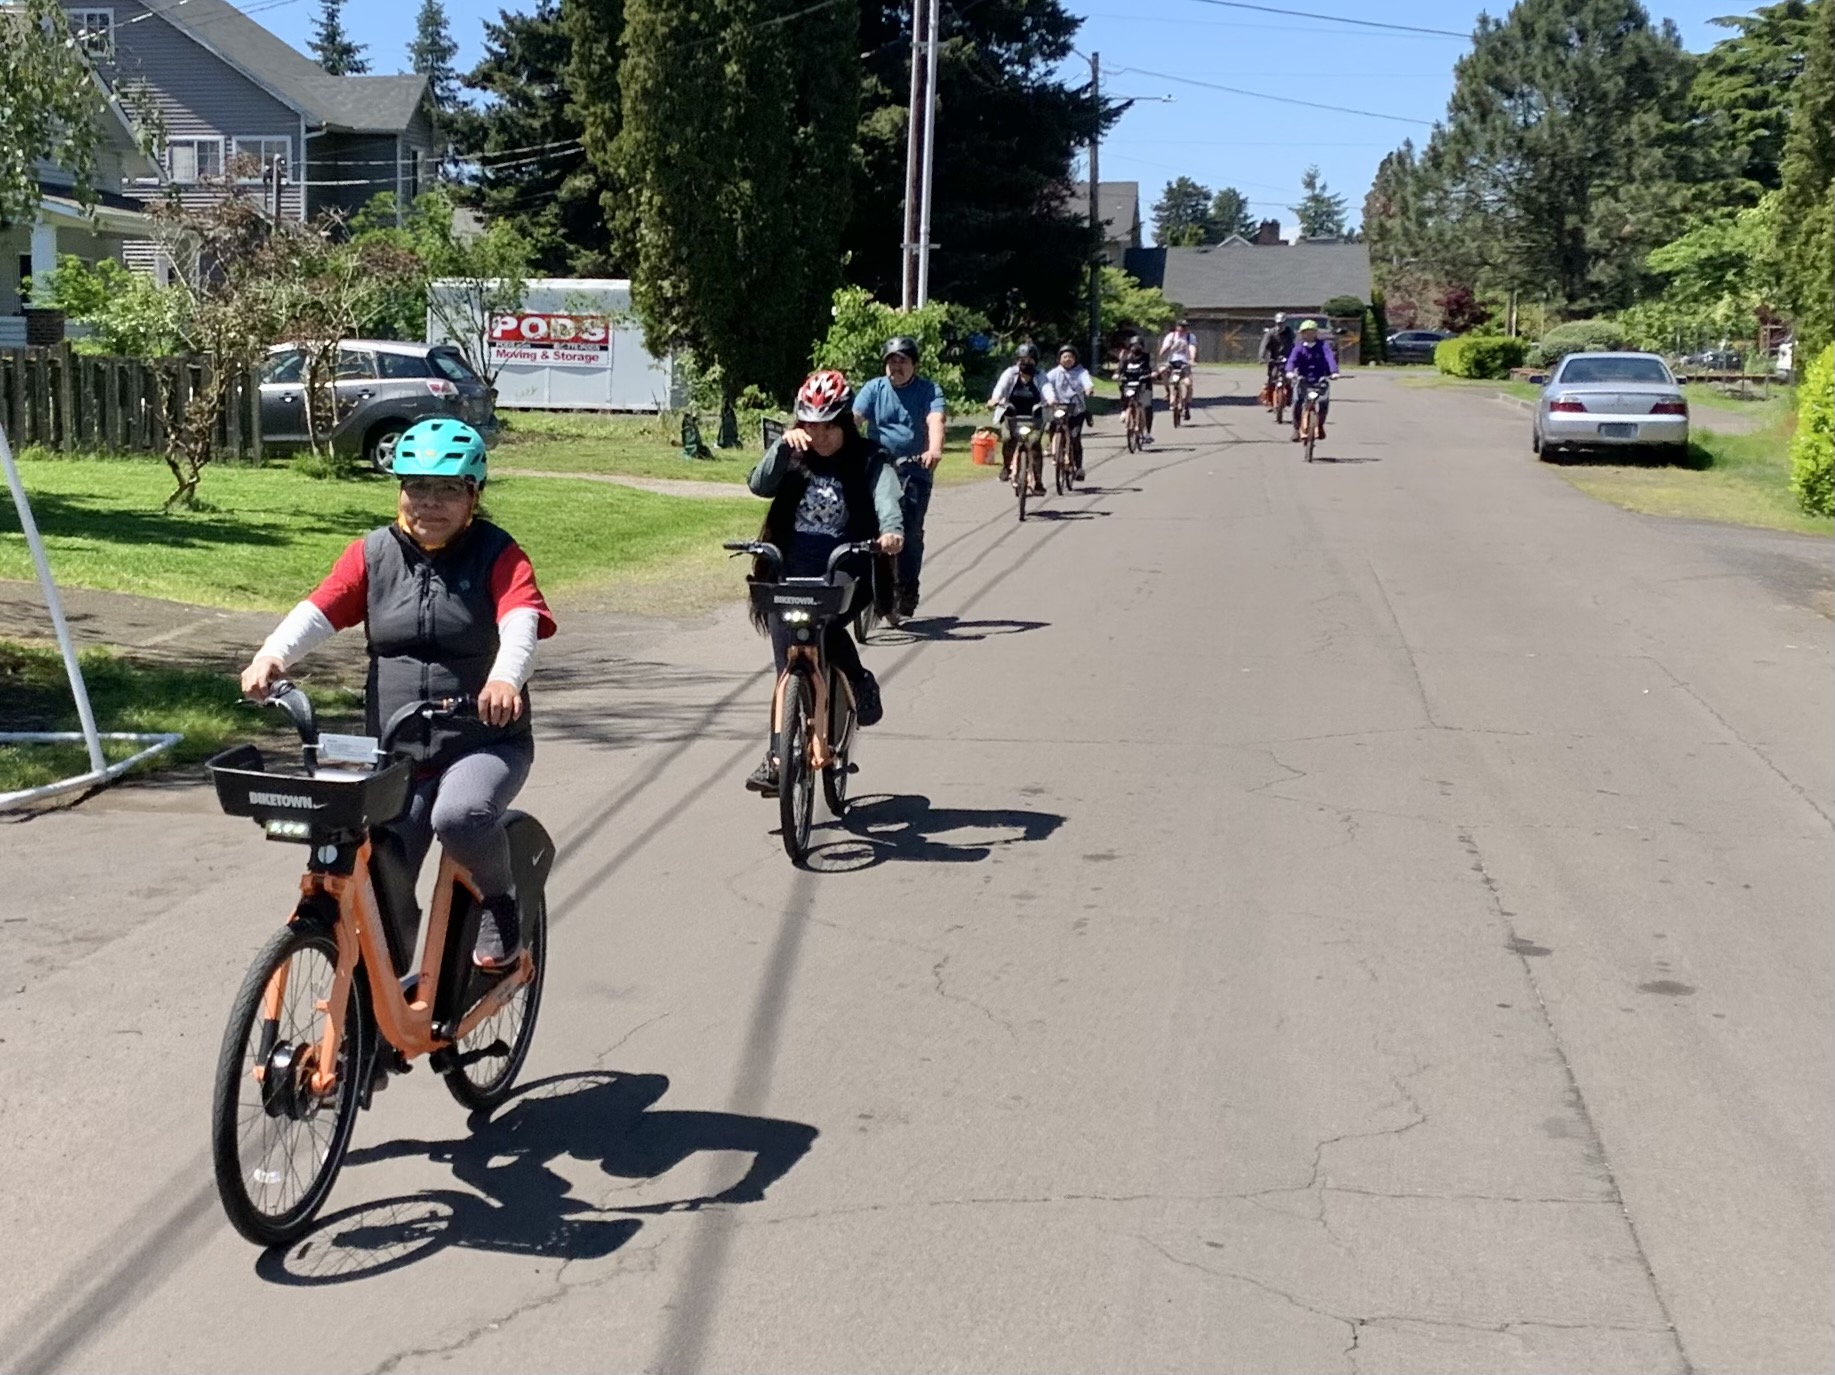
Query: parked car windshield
column 452, row 365
column 1615, row 370
column 402, row 365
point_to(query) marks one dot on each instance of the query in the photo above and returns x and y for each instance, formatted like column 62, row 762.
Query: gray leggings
column 464, row 804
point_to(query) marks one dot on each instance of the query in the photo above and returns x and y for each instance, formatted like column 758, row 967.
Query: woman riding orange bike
column 839, row 489
column 451, row 609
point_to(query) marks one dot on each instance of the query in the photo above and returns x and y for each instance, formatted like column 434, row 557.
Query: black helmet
column 1071, row 349
column 1026, row 353
column 900, row 343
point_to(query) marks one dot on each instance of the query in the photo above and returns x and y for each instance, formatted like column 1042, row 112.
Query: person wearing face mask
column 1136, row 371
column 451, row 609
column 1023, row 388
column 833, row 488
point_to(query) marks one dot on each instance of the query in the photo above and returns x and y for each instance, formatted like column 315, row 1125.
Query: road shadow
column 1345, row 458
column 950, row 630
column 886, row 827
column 1053, row 513
column 622, row 702
column 517, row 1203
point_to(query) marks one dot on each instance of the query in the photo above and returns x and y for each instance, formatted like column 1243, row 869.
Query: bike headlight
column 796, row 618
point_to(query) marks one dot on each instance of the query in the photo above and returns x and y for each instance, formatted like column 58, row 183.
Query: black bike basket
column 816, row 598
column 328, row 801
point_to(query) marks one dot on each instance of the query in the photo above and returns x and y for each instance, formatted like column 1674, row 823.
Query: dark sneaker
column 499, row 935
column 868, row 709
column 907, row 606
column 764, row 777
column 1295, row 437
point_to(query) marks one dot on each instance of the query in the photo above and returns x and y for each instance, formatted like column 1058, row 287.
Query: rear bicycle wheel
column 1022, row 475
column 276, row 1145
column 796, row 788
column 489, row 1056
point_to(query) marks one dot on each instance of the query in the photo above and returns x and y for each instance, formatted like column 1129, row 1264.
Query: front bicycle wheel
column 841, row 740
column 796, row 787
column 488, row 1058
column 276, row 1143
column 1022, row 475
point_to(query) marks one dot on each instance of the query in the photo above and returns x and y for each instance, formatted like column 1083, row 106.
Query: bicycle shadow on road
column 1346, row 458
column 951, row 630
column 885, row 827
column 519, row 1204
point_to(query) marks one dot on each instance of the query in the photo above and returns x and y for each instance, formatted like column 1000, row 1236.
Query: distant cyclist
column 450, row 608
column 1311, row 363
column 1021, row 388
column 1136, row 371
column 1072, row 384
column 1179, row 352
column 1277, row 344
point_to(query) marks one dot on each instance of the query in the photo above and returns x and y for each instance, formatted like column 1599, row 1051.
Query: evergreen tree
column 1393, row 226
column 594, row 30
column 1565, row 153
column 734, row 156
column 432, row 51
column 524, row 140
column 1010, row 242
column 1807, row 213
column 1321, row 214
column 1182, row 215
column 1230, row 215
column 1742, row 92
column 336, row 53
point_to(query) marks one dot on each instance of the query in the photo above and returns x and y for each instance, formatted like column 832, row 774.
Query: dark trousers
column 919, row 481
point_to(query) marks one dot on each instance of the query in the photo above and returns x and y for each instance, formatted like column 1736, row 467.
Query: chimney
column 1269, row 232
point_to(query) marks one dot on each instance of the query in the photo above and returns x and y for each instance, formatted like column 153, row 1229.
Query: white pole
column 30, row 529
column 930, row 150
column 914, row 133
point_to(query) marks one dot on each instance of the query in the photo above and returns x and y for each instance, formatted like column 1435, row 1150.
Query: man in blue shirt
column 904, row 415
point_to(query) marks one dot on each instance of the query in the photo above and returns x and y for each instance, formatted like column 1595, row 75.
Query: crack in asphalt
column 1576, row 1097
column 936, row 973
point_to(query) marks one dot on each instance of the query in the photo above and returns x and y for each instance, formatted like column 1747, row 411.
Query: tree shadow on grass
column 61, row 516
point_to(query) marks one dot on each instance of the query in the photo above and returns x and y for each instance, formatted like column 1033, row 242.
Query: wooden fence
column 76, row 402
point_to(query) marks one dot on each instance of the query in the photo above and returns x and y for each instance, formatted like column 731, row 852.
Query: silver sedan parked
column 1611, row 401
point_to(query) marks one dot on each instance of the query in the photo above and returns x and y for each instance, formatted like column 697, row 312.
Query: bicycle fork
column 803, row 663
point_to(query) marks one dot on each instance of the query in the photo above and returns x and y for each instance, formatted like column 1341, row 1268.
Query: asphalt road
column 1366, row 916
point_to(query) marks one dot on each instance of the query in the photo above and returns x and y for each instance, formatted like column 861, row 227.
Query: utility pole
column 1094, row 361
column 915, row 152
column 932, row 45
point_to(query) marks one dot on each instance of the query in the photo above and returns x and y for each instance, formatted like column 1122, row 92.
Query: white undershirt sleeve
column 516, row 635
column 303, row 630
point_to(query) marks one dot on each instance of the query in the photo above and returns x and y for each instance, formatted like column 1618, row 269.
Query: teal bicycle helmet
column 440, row 448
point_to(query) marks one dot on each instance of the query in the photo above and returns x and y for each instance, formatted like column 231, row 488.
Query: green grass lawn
column 269, row 534
column 1734, row 479
column 34, row 695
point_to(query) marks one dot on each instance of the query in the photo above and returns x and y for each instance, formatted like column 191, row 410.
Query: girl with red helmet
column 838, row 489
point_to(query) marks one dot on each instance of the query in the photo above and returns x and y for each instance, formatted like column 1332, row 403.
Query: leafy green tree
column 49, row 106
column 594, row 30
column 332, row 46
column 1742, row 90
column 734, row 207
column 130, row 315
column 1565, row 151
column 1718, row 276
column 1127, row 305
column 1230, row 214
column 1806, row 215
column 1321, row 214
column 1182, row 215
column 523, row 142
column 432, row 51
column 1009, row 240
column 861, row 325
column 1395, row 228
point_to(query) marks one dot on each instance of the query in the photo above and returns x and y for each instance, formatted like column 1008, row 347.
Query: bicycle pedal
column 853, row 768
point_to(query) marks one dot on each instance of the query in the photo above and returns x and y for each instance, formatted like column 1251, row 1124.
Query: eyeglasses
column 436, row 489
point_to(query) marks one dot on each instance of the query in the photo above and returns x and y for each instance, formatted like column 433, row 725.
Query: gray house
column 233, row 98
column 1231, row 291
column 1118, row 206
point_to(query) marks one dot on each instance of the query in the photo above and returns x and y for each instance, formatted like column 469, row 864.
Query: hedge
column 1812, row 452
column 1479, row 355
column 1578, row 336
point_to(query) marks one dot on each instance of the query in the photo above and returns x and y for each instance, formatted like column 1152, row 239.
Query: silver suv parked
column 383, row 386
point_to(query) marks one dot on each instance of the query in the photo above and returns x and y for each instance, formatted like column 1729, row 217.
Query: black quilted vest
column 432, row 629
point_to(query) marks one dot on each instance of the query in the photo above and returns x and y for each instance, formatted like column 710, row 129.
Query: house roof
column 1260, row 276
column 1118, row 203
column 361, row 104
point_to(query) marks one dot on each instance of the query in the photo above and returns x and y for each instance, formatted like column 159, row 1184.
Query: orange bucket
column 985, row 447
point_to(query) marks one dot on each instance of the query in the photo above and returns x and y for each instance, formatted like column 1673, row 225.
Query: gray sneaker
column 499, row 943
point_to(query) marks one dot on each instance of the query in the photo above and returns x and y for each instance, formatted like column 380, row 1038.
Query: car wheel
column 379, row 448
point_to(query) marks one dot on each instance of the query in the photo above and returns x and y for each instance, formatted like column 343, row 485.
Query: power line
column 1334, row 19
column 1279, row 99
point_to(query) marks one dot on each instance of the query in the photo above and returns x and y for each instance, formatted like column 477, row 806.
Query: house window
column 252, row 157
column 95, row 32
column 194, row 159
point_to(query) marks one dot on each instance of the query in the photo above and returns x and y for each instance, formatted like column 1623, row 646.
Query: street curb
column 1510, row 400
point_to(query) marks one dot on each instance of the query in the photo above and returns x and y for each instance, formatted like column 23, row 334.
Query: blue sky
column 1258, row 145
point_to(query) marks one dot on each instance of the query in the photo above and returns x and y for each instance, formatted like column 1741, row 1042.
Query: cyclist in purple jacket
column 1311, row 362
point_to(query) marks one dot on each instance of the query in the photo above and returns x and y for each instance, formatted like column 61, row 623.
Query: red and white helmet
column 824, row 395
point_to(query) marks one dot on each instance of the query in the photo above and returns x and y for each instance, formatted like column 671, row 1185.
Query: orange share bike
column 335, row 1003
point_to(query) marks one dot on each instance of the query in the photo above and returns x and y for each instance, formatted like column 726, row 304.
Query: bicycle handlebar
column 774, row 556
column 291, row 699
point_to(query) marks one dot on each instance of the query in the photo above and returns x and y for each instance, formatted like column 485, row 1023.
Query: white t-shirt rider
column 1179, row 347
